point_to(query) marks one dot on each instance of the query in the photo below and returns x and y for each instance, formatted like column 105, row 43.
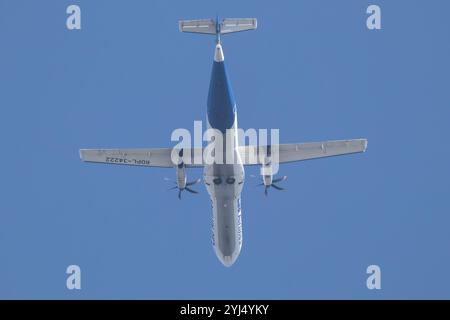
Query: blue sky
column 312, row 69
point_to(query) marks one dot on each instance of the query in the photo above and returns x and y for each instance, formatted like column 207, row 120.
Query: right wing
column 161, row 157
column 252, row 155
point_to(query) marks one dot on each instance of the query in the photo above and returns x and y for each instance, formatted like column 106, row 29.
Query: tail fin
column 214, row 27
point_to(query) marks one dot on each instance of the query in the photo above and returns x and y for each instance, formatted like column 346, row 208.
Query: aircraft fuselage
column 224, row 182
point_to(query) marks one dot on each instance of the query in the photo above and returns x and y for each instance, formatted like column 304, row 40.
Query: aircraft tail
column 214, row 27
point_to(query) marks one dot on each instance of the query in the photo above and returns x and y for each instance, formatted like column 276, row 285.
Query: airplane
column 224, row 181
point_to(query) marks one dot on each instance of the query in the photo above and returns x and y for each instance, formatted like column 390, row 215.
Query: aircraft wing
column 158, row 157
column 250, row 155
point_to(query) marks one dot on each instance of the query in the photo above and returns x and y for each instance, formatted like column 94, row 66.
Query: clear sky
column 312, row 69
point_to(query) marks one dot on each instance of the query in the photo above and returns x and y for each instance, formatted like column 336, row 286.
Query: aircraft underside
column 224, row 182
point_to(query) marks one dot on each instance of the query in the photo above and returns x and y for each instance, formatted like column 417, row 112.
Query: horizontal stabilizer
column 210, row 26
column 236, row 25
column 206, row 26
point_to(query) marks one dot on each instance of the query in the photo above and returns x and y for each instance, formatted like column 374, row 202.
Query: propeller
column 188, row 184
column 266, row 187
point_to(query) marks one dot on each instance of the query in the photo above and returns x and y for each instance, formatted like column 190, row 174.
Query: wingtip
column 365, row 142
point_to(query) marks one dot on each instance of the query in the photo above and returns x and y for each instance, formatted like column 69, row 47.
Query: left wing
column 161, row 157
column 252, row 155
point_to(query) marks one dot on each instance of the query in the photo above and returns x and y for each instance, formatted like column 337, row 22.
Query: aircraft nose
column 228, row 257
column 228, row 261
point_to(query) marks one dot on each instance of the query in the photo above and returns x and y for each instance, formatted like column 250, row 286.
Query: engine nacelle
column 181, row 176
column 267, row 172
column 181, row 171
column 267, row 179
column 182, row 183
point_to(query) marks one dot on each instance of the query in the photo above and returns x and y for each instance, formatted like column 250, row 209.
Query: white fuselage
column 224, row 183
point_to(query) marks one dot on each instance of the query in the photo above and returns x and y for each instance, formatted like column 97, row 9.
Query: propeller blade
column 185, row 188
column 277, row 187
column 266, row 188
column 279, row 179
column 190, row 190
column 193, row 182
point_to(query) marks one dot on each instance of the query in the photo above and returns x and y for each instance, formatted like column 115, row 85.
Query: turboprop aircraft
column 224, row 181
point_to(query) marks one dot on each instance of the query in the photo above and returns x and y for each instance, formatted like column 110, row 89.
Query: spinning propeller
column 186, row 187
column 272, row 184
